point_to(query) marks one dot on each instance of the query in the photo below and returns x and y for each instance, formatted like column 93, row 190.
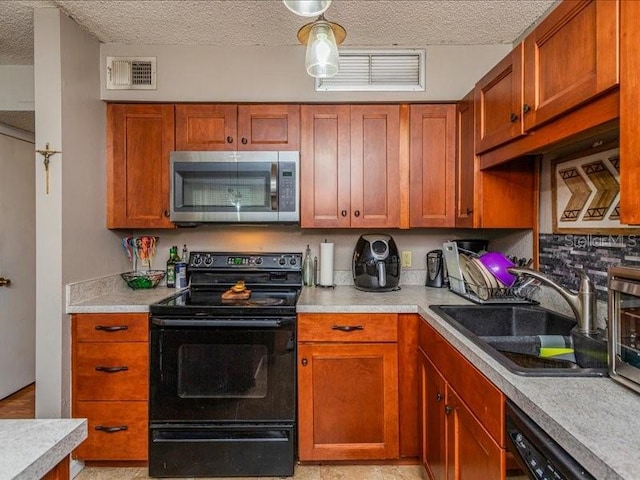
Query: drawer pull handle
column 111, row 328
column 120, row 428
column 448, row 410
column 347, row 328
column 439, row 397
column 121, row 368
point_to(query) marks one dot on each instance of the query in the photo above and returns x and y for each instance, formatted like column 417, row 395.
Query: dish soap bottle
column 307, row 268
column 171, row 266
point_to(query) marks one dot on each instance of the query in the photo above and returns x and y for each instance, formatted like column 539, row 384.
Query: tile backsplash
column 562, row 255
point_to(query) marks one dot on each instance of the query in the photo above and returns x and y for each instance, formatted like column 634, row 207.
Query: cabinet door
column 433, row 431
column 325, row 159
column 466, row 163
column 139, row 140
column 432, row 166
column 569, row 58
column 375, row 160
column 498, row 98
column 268, row 127
column 629, row 118
column 471, row 452
column 117, row 430
column 206, row 127
column 348, row 401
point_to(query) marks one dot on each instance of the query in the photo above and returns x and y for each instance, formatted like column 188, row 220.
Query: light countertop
column 30, row 448
column 596, row 420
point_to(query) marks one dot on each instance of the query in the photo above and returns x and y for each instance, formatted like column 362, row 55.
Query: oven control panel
column 257, row 261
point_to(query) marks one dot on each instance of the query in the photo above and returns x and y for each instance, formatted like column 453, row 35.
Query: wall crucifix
column 46, row 153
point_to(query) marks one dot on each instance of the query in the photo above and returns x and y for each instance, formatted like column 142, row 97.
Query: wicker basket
column 143, row 279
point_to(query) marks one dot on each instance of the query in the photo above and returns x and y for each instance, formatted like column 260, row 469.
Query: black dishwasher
column 536, row 452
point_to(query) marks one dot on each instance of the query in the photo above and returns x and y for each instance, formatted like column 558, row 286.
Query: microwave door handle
column 274, row 186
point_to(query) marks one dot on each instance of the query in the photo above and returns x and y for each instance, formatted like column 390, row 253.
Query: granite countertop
column 594, row 419
column 30, row 448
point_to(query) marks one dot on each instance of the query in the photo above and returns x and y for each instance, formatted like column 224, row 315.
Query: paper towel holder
column 326, row 265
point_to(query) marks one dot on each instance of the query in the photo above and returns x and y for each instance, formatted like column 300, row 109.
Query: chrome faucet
column 583, row 303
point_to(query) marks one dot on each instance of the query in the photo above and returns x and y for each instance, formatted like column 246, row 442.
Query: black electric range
column 222, row 372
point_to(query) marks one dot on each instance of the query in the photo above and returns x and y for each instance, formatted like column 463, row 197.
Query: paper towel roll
column 326, row 264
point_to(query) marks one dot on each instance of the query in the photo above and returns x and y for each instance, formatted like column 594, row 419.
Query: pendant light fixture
column 307, row 8
column 322, row 39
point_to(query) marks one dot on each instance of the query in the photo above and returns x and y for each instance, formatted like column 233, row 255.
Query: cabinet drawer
column 111, row 327
column 354, row 327
column 482, row 397
column 119, row 443
column 117, row 371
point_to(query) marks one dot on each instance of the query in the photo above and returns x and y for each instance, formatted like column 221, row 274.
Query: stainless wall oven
column 223, row 372
column 624, row 326
column 235, row 187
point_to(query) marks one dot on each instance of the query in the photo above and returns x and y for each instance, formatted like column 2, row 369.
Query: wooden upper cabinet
column 432, row 165
column 325, row 157
column 466, row 164
column 237, row 127
column 375, row 165
column 269, row 127
column 139, row 141
column 570, row 57
column 499, row 99
column 629, row 118
column 206, row 127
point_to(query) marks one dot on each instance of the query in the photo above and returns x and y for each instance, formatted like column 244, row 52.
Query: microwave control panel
column 287, row 184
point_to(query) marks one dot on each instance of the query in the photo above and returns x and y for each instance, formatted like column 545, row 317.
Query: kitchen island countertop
column 30, row 448
column 596, row 420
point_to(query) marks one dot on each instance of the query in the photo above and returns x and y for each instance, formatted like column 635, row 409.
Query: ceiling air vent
column 377, row 71
column 131, row 73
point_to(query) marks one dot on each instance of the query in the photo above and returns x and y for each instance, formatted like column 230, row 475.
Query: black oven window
column 222, row 371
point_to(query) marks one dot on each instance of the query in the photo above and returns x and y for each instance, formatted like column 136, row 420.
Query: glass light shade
column 307, row 8
column 322, row 58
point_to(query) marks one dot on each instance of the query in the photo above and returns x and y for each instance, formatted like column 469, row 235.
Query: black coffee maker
column 376, row 263
column 436, row 275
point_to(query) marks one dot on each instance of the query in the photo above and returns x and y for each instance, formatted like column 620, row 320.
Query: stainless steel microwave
column 624, row 325
column 235, row 187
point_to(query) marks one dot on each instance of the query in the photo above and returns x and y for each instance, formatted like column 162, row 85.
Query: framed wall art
column 586, row 193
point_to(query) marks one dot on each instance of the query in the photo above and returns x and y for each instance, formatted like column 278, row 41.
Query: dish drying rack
column 520, row 293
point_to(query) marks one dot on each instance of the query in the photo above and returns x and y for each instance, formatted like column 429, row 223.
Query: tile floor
column 302, row 472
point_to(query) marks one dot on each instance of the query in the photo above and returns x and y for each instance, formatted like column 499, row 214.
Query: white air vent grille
column 377, row 70
column 131, row 73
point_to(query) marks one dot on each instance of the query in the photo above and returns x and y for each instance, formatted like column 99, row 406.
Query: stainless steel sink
column 514, row 334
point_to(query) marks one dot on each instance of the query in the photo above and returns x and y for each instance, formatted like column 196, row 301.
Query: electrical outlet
column 406, row 258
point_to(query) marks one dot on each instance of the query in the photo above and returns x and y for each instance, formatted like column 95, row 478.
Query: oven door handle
column 224, row 323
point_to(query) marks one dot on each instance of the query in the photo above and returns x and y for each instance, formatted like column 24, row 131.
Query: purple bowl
column 497, row 264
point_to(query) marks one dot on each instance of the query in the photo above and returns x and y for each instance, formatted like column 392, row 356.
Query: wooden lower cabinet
column 348, row 387
column 60, row 472
column 110, row 384
column 432, row 405
column 461, row 415
column 471, row 452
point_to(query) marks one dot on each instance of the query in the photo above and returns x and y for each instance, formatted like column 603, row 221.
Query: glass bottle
column 171, row 266
column 185, row 254
column 307, row 268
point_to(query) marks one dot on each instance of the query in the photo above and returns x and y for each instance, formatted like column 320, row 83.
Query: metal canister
column 181, row 275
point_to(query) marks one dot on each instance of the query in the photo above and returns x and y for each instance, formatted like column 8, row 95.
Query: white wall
column 72, row 241
column 295, row 239
column 16, row 87
column 272, row 74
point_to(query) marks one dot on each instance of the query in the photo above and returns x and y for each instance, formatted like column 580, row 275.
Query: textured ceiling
column 414, row 23
column 408, row 23
column 21, row 120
